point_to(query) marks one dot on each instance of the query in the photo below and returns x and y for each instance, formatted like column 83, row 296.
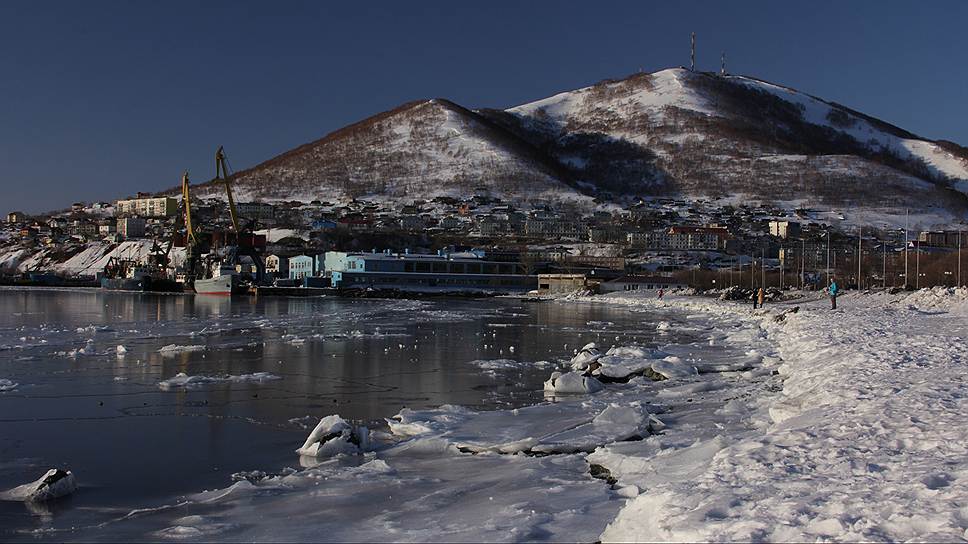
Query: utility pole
column 860, row 238
column 763, row 268
column 782, row 266
column 959, row 258
column 884, row 273
column 803, row 263
column 827, row 235
column 905, row 248
column 917, row 267
column 692, row 54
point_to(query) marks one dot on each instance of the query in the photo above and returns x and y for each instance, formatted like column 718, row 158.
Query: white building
column 163, row 206
column 784, row 229
column 300, row 266
column 641, row 283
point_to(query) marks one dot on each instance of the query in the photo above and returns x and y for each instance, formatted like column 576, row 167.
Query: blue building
column 323, row 224
column 425, row 273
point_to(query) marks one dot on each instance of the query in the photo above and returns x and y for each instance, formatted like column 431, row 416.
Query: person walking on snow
column 759, row 297
column 833, row 291
column 660, row 294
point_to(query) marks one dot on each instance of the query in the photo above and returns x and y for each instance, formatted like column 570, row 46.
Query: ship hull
column 222, row 285
column 145, row 285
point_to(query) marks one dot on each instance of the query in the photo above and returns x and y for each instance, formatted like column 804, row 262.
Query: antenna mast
column 692, row 54
column 722, row 69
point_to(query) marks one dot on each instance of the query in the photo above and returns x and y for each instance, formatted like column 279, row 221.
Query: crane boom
column 187, row 203
column 222, row 170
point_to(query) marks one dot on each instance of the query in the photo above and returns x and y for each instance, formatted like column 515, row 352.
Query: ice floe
column 571, row 383
column 7, row 385
column 184, row 380
column 172, row 349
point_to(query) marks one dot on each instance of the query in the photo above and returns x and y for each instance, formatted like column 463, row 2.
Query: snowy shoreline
column 806, row 425
column 865, row 442
column 533, row 473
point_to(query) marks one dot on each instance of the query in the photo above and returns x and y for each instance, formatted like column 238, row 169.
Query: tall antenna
column 722, row 69
column 692, row 54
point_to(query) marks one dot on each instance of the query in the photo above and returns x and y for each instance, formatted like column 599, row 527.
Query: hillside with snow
column 432, row 147
column 669, row 133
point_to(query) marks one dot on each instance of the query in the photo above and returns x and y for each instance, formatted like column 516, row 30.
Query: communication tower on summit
column 692, row 54
column 722, row 68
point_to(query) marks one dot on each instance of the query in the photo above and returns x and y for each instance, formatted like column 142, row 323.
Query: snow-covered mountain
column 672, row 132
column 420, row 149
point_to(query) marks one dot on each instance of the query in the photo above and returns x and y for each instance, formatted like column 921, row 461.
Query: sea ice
column 184, row 380
column 585, row 356
column 333, row 436
column 673, row 367
column 7, row 385
column 172, row 349
column 54, row 484
column 571, row 383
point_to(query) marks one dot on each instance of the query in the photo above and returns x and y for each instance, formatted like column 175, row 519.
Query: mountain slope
column 700, row 134
column 672, row 132
column 420, row 149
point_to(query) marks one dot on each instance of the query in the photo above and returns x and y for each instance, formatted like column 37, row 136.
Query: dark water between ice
column 80, row 405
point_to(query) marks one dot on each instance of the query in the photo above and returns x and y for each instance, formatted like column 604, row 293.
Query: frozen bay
column 152, row 399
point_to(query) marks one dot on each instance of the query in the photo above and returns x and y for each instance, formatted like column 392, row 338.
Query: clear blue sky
column 101, row 99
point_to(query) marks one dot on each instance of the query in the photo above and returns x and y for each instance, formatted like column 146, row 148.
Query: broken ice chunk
column 54, row 484
column 334, row 436
column 674, row 367
column 571, row 383
column 586, row 356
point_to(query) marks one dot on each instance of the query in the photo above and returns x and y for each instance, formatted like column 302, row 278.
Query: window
column 423, row 267
column 408, row 267
column 440, row 267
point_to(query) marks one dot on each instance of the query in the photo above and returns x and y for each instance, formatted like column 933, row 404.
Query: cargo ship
column 124, row 275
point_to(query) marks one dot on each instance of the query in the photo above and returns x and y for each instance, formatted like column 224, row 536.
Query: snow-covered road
column 866, row 442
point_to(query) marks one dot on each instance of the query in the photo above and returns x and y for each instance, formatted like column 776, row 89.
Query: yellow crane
column 190, row 238
column 222, row 172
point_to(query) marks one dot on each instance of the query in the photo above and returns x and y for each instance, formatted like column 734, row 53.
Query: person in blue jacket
column 833, row 291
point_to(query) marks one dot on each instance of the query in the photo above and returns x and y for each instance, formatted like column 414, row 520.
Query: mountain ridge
column 672, row 132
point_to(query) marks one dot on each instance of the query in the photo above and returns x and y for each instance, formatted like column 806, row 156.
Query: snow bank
column 184, row 380
column 54, row 484
column 866, row 441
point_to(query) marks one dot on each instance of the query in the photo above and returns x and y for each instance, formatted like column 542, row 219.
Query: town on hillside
column 481, row 244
